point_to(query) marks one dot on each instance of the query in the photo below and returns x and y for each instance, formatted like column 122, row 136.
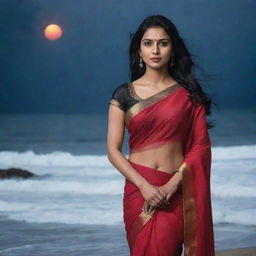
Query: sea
column 74, row 204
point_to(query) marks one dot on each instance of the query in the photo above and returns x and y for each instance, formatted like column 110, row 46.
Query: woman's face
column 155, row 43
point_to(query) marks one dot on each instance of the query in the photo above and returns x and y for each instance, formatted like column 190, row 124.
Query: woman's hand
column 168, row 190
column 147, row 208
column 153, row 195
column 159, row 196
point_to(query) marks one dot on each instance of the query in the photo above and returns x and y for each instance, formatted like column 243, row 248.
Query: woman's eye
column 164, row 43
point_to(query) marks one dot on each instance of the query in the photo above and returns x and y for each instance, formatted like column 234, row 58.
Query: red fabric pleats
column 160, row 234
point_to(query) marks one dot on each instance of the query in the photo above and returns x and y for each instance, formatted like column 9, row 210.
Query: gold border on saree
column 143, row 103
column 189, row 211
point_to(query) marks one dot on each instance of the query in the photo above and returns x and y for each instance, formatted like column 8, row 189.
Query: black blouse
column 122, row 97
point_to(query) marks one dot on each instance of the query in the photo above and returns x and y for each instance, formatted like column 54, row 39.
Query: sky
column 77, row 73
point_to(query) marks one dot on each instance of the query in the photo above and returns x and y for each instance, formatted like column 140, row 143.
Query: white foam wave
column 233, row 191
column 112, row 187
column 15, row 207
column 64, row 211
column 66, row 159
column 56, row 159
column 88, row 180
column 99, row 213
column 234, row 152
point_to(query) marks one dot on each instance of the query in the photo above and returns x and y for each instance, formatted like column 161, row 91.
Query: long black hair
column 181, row 71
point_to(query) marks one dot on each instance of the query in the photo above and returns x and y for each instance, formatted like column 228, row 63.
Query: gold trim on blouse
column 116, row 103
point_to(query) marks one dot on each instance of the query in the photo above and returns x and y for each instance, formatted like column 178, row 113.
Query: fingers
column 161, row 199
column 157, row 199
column 144, row 206
column 160, row 204
column 163, row 203
column 159, row 195
column 150, row 208
column 147, row 208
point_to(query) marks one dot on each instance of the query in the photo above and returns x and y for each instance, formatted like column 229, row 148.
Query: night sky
column 77, row 73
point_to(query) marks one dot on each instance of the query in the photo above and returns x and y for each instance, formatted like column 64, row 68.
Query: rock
column 15, row 173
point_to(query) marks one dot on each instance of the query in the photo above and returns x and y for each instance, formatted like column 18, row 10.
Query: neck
column 158, row 77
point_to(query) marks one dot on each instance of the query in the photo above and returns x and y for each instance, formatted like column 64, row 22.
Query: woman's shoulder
column 119, row 96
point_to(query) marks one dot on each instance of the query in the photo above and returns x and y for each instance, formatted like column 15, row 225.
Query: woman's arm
column 115, row 136
column 177, row 177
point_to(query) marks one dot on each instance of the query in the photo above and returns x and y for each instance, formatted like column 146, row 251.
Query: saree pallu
column 171, row 117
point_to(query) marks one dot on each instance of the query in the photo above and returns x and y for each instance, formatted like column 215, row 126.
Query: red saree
column 170, row 117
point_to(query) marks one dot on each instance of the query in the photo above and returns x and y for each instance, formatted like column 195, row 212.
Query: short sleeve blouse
column 122, row 98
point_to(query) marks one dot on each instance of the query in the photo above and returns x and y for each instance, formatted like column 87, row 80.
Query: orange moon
column 53, row 32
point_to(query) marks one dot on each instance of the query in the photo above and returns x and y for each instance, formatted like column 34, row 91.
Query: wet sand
column 251, row 251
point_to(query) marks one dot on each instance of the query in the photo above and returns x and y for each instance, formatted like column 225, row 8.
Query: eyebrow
column 154, row 39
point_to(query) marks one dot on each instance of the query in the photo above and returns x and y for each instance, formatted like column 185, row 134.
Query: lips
column 155, row 59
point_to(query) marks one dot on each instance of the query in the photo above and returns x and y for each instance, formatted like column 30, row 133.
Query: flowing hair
column 183, row 64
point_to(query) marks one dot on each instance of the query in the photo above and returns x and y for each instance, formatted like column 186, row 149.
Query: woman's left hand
column 168, row 190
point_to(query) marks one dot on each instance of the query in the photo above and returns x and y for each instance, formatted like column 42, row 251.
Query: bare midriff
column 166, row 158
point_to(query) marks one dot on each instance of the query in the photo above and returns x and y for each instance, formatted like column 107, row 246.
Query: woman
column 167, row 199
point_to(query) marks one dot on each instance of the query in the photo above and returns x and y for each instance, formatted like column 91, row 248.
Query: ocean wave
column 234, row 152
column 64, row 211
column 99, row 213
column 66, row 159
column 233, row 191
column 243, row 217
column 56, row 159
column 110, row 187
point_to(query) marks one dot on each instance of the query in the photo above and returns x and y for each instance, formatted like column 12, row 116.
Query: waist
column 165, row 157
column 162, row 162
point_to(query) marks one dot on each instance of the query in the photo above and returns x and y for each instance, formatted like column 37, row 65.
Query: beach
column 73, row 206
column 238, row 252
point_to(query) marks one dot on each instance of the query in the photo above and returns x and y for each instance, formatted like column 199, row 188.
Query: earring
column 141, row 63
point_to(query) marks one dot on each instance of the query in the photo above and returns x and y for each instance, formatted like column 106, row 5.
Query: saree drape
column 170, row 117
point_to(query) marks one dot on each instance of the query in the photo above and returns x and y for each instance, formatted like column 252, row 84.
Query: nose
column 155, row 48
